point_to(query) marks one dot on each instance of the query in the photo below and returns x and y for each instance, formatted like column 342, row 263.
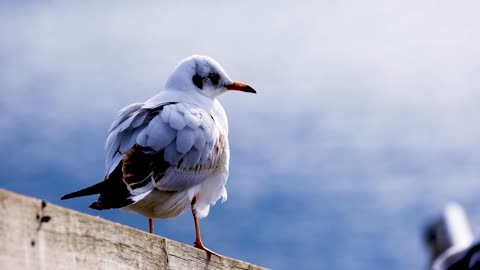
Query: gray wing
column 122, row 135
column 172, row 146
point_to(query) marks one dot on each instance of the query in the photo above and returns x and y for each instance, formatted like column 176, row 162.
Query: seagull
column 171, row 152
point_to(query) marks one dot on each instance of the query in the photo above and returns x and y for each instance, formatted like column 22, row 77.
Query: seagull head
column 205, row 75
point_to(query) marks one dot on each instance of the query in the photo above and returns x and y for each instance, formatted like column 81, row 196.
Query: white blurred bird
column 171, row 152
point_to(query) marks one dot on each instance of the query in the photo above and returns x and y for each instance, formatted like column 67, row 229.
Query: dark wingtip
column 67, row 196
column 95, row 206
column 95, row 189
column 75, row 194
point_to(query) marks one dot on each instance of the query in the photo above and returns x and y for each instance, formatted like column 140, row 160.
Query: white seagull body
column 187, row 135
column 171, row 152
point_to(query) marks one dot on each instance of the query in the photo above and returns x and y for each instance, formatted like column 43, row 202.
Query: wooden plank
column 38, row 235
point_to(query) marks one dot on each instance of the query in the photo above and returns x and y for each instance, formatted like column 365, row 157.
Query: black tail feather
column 113, row 192
column 97, row 206
column 95, row 189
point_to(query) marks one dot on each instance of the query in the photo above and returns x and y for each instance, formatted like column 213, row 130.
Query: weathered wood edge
column 39, row 235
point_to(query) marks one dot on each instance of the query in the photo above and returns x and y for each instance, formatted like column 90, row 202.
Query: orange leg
column 150, row 224
column 198, row 241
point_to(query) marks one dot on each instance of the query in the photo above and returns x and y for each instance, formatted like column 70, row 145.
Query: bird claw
column 200, row 245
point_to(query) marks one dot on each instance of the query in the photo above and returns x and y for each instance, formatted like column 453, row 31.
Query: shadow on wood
column 39, row 235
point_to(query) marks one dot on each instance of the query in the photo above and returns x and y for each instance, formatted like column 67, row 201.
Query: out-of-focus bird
column 171, row 152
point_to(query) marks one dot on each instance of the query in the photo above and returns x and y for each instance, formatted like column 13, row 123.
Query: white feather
column 180, row 179
column 124, row 113
column 139, row 119
column 159, row 134
column 142, row 138
column 207, row 125
column 126, row 124
column 204, row 154
column 185, row 140
column 200, row 139
column 171, row 155
column 166, row 113
column 128, row 139
column 113, row 143
column 213, row 188
column 191, row 159
column 176, row 120
column 193, row 119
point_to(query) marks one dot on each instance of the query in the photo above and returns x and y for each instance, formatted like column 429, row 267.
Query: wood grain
column 39, row 235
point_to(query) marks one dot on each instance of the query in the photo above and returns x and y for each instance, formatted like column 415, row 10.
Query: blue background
column 365, row 123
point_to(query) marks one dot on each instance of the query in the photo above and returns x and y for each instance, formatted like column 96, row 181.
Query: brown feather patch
column 139, row 165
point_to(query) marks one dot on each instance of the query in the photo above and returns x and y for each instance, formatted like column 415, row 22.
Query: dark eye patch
column 197, row 80
column 214, row 78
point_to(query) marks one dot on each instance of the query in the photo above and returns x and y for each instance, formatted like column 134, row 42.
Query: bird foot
column 200, row 245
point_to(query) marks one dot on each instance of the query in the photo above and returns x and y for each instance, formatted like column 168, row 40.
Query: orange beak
column 240, row 87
